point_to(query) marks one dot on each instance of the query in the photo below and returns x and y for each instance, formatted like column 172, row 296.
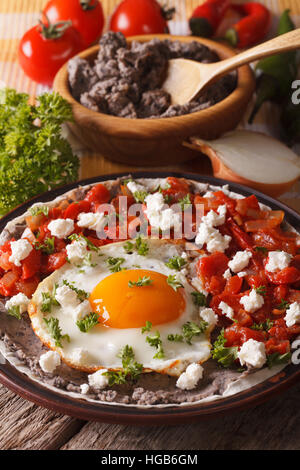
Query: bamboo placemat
column 16, row 16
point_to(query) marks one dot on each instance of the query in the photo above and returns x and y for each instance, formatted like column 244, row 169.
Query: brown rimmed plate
column 37, row 393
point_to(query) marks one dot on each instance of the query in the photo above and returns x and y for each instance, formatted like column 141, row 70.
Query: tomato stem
column 167, row 13
column 86, row 5
column 54, row 30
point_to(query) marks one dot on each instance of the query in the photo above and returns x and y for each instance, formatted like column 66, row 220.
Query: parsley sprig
column 156, row 342
column 199, row 299
column 276, row 358
column 139, row 245
column 49, row 300
column 81, row 294
column 224, row 355
column 34, row 156
column 55, row 331
column 131, row 369
column 47, row 247
column 185, row 202
column 176, row 262
column 173, row 282
column 87, row 322
column 115, row 264
column 141, row 282
column 189, row 330
column 39, row 210
column 14, row 311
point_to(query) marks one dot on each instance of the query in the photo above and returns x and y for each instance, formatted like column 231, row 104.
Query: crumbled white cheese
column 208, row 315
column 97, row 380
column 91, row 220
column 242, row 274
column 80, row 356
column 61, row 228
column 76, row 251
column 209, row 194
column 292, row 314
column 159, row 217
column 134, row 187
column 227, row 310
column 214, row 240
column 19, row 300
column 189, row 379
column 49, row 361
column 278, row 260
column 84, row 388
column 197, row 283
column 29, row 235
column 227, row 274
column 252, row 302
column 66, row 297
column 240, row 261
column 214, row 219
column 252, row 353
column 20, row 249
column 83, row 309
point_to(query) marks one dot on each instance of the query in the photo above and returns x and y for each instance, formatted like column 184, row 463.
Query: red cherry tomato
column 45, row 48
column 133, row 17
column 86, row 16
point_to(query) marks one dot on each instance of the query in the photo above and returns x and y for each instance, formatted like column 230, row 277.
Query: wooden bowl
column 154, row 142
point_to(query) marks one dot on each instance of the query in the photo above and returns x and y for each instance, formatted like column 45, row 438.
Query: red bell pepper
column 206, row 18
column 252, row 28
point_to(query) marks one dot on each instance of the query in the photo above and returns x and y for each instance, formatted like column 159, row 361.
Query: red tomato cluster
column 66, row 28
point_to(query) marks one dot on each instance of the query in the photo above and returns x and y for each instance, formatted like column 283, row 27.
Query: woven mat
column 16, row 16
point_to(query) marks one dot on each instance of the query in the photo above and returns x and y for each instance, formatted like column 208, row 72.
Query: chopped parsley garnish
column 39, row 210
column 86, row 323
column 261, row 249
column 140, row 196
column 115, row 264
column 199, row 299
column 55, row 331
column 131, row 368
column 185, row 202
column 81, row 294
column 176, row 338
column 177, row 262
column 173, row 282
column 277, row 358
column 262, row 290
column 47, row 247
column 140, row 245
column 147, row 327
column 49, row 300
column 141, row 282
column 284, row 305
column 81, row 237
column 14, row 311
column 191, row 329
column 34, row 156
column 156, row 342
column 265, row 326
column 224, row 355
column 87, row 262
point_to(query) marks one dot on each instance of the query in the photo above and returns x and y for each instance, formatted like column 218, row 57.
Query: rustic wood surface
column 273, row 425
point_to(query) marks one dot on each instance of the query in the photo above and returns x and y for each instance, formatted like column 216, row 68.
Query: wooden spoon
column 187, row 78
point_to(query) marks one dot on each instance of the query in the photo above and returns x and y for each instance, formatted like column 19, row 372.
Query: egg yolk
column 122, row 306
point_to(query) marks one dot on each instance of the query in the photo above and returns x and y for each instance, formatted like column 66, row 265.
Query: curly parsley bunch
column 34, row 156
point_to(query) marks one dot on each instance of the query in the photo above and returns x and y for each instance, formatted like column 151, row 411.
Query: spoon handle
column 284, row 42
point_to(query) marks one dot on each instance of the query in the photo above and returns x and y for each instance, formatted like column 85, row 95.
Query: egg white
column 98, row 348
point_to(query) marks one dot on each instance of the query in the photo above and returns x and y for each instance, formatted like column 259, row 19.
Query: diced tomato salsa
column 250, row 228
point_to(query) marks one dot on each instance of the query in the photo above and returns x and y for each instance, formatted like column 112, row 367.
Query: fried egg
column 125, row 295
